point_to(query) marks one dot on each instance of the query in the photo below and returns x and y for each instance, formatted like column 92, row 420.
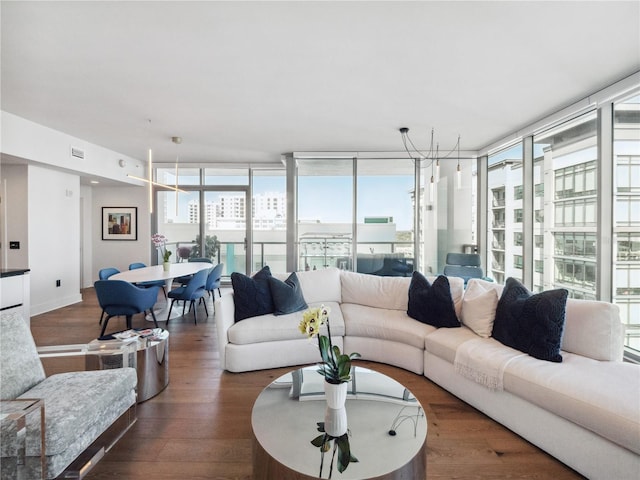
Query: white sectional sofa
column 585, row 411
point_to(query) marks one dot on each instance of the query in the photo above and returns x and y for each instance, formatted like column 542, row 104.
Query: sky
column 329, row 199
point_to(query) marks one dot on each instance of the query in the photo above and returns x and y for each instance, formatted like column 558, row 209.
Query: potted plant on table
column 160, row 242
column 335, row 366
column 336, row 370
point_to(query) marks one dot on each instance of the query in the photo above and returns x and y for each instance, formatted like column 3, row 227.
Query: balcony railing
column 312, row 254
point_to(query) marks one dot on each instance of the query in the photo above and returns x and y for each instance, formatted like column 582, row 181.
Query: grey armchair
column 84, row 412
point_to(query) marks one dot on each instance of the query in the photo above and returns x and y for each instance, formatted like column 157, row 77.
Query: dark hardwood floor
column 199, row 427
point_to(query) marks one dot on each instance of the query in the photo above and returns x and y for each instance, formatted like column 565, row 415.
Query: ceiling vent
column 77, row 153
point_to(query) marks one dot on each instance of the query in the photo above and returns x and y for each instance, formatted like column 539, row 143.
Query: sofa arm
column 225, row 317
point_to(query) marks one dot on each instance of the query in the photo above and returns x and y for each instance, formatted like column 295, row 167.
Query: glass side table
column 22, row 431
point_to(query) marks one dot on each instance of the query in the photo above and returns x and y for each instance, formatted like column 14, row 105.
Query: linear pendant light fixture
column 433, row 156
column 149, row 180
column 177, row 141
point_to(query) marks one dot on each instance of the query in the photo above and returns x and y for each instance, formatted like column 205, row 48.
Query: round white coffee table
column 387, row 429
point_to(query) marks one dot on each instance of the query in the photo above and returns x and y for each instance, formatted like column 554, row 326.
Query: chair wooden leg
column 128, row 317
column 205, row 306
column 195, row 311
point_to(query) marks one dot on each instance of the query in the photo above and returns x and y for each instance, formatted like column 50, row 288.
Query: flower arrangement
column 335, row 366
column 160, row 242
column 340, row 445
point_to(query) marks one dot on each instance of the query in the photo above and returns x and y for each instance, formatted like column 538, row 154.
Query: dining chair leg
column 170, row 307
column 104, row 325
column 128, row 317
column 195, row 311
column 153, row 315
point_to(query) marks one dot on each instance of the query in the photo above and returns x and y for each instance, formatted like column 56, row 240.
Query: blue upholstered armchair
column 464, row 265
column 192, row 291
column 117, row 297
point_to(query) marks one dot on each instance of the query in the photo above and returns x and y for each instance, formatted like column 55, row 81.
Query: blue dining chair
column 192, row 291
column 213, row 282
column 153, row 283
column 120, row 298
column 104, row 274
column 213, row 279
column 183, row 280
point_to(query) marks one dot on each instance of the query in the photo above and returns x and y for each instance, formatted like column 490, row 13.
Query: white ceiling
column 248, row 81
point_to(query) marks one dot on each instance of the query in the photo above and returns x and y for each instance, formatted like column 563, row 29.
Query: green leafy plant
column 335, row 366
column 211, row 247
column 341, row 447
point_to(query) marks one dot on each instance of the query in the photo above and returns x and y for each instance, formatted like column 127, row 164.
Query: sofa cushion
column 375, row 291
column 252, row 295
column 599, row 396
column 20, row 365
column 75, row 402
column 269, row 327
column 593, row 329
column 384, row 324
column 444, row 342
column 321, row 285
column 533, row 324
column 431, row 303
column 479, row 308
column 287, row 296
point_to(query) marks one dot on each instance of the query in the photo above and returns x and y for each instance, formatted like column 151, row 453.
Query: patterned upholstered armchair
column 84, row 412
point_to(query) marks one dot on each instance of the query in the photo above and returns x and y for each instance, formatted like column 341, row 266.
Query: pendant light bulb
column 432, row 188
column 459, row 170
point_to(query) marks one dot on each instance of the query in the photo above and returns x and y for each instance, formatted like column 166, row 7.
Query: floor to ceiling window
column 269, row 230
column 385, row 203
column 207, row 218
column 372, row 200
column 178, row 213
column 325, row 213
column 626, row 216
column 566, row 217
column 505, row 216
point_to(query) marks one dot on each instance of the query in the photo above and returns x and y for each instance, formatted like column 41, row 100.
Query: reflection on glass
column 626, row 216
column 334, row 438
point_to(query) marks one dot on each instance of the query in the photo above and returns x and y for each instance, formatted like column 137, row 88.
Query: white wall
column 13, row 180
column 54, row 238
column 58, row 240
column 25, row 139
column 86, row 236
column 119, row 253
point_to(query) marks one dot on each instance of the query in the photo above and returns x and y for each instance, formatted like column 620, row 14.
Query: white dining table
column 157, row 272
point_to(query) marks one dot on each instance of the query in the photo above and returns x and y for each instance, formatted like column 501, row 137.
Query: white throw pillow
column 479, row 308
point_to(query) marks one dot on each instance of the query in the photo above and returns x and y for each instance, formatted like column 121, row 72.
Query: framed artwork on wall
column 119, row 223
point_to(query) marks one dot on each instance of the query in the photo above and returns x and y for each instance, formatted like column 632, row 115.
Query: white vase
column 166, row 266
column 336, row 394
column 335, row 421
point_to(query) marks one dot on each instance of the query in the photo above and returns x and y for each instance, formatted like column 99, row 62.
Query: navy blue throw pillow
column 251, row 295
column 531, row 323
column 287, row 296
column 432, row 304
